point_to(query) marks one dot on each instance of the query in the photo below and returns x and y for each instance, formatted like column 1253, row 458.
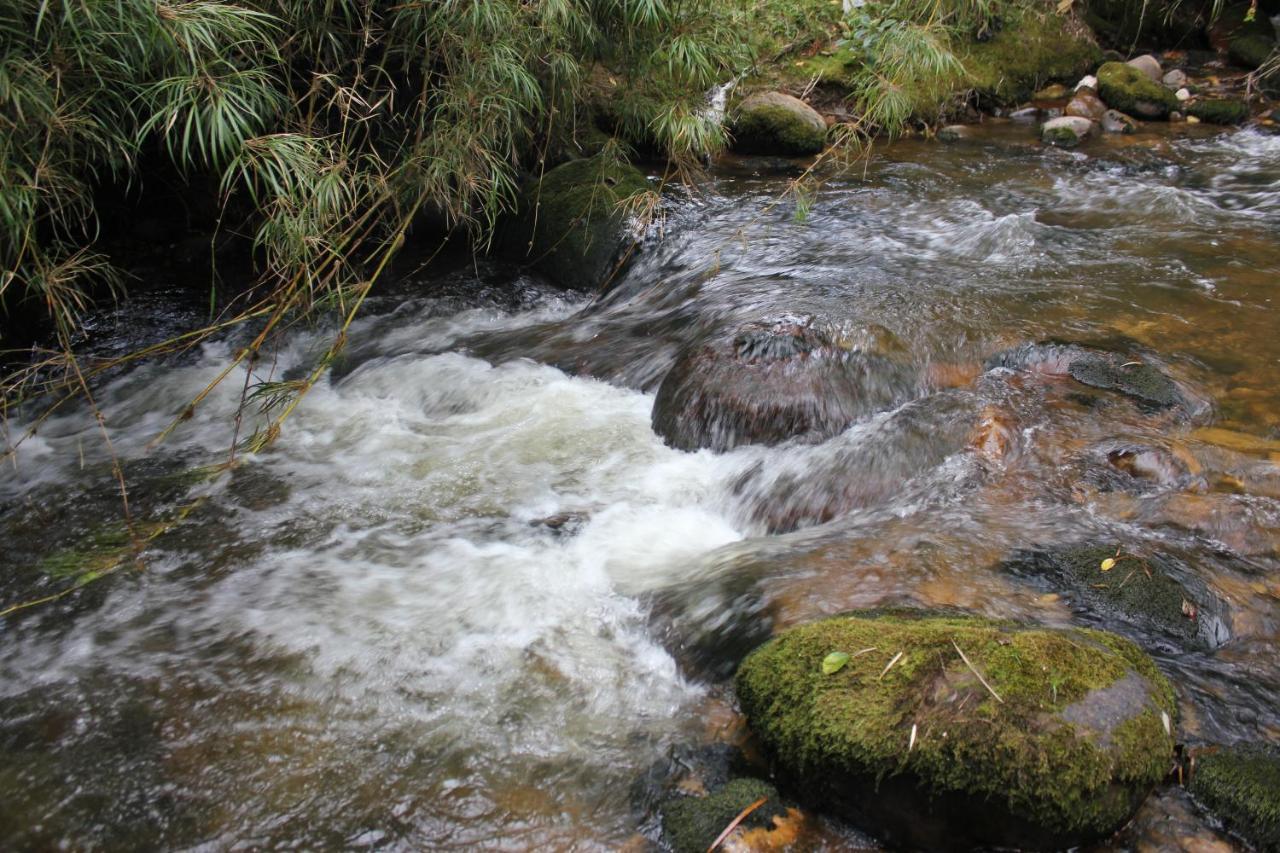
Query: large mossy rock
column 777, row 123
column 1130, row 91
column 1241, row 785
column 573, row 226
column 771, row 381
column 1249, row 42
column 926, row 755
column 1029, row 50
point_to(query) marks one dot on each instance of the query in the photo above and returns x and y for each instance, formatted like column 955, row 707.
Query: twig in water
column 889, row 666
column 733, row 824
column 974, row 670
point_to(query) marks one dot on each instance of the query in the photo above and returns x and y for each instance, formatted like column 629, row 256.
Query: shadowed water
column 469, row 598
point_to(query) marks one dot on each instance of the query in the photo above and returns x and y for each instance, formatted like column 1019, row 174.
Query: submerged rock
column 1066, row 131
column 1108, row 371
column 1134, row 588
column 769, row 382
column 571, row 227
column 1219, row 110
column 1114, row 121
column 776, row 123
column 1130, row 90
column 1241, row 786
column 909, row 738
column 692, row 824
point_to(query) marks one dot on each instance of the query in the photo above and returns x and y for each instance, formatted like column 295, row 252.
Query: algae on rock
column 1130, row 91
column 692, row 824
column 1241, row 785
column 573, row 224
column 909, row 739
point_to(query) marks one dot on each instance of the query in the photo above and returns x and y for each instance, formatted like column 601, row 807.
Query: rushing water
column 469, row 598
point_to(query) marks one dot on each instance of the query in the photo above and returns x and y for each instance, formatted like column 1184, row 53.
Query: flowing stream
column 470, row 599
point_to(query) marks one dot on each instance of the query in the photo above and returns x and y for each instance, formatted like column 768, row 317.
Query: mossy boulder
column 573, row 226
column 1241, row 785
column 906, row 739
column 1250, row 49
column 1249, row 41
column 692, row 824
column 1031, row 49
column 1139, row 589
column 777, row 123
column 1066, row 131
column 1219, row 110
column 1131, row 91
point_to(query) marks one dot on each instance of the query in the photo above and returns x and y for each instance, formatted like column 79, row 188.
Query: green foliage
column 333, row 119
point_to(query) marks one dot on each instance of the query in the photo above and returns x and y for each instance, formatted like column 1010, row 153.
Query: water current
column 470, row 599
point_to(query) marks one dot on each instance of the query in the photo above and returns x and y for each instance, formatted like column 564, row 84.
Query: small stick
column 975, row 672
column 733, row 824
column 1126, row 579
column 861, row 652
column 889, row 666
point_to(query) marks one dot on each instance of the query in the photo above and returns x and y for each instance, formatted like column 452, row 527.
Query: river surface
column 469, row 599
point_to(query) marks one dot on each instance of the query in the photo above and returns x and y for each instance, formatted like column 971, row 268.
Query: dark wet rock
column 1137, row 588
column 923, row 752
column 571, row 227
column 776, row 123
column 1148, row 65
column 1114, row 121
column 1241, row 786
column 1127, row 22
column 1086, row 104
column 1149, row 465
column 1097, row 368
column 1249, row 38
column 1219, row 110
column 866, row 468
column 771, row 381
column 562, row 524
column 1250, row 49
column 1066, row 131
column 1131, row 91
column 692, row 824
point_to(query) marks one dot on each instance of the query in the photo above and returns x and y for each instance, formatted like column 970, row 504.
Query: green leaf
column 834, row 662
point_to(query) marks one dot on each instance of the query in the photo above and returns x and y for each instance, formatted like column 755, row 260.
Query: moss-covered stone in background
column 1241, row 785
column 1030, row 50
column 777, row 123
column 692, row 824
column 1128, row 90
column 925, row 754
column 572, row 227
column 1172, row 23
column 1219, row 110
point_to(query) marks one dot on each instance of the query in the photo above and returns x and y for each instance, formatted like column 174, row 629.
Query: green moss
column 771, row 129
column 1061, row 136
column 1241, row 785
column 1033, row 755
column 1220, row 110
column 575, row 228
column 1031, row 50
column 691, row 824
column 1250, row 49
column 1128, row 90
column 1142, row 382
column 1137, row 590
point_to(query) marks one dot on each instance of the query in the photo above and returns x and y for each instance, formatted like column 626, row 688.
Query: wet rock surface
column 907, row 734
column 1131, row 376
column 777, row 123
column 772, row 381
column 1120, row 586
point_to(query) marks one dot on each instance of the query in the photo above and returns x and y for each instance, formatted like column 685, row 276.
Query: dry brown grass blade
column 974, row 670
column 736, row 822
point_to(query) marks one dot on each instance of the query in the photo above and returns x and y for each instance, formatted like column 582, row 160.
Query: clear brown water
column 364, row 637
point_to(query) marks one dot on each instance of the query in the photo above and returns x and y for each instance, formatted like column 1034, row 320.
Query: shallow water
column 469, row 598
